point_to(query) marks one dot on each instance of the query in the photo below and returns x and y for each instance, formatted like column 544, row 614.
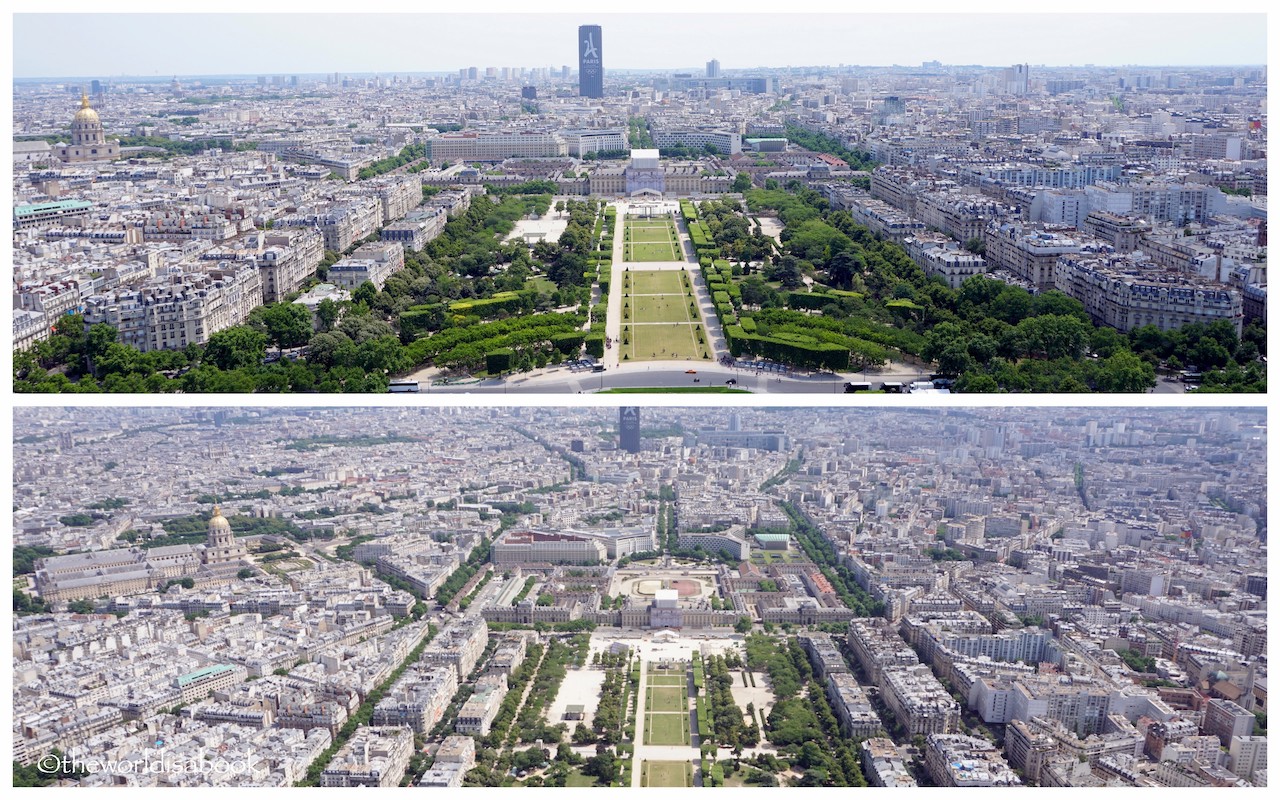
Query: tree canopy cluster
column 872, row 299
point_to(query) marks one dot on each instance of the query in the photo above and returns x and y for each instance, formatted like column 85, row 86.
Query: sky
column 146, row 44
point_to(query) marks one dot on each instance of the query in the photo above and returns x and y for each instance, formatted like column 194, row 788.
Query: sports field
column 660, row 320
column 650, row 240
column 666, row 773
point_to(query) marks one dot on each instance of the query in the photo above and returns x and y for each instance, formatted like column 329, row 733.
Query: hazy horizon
column 158, row 45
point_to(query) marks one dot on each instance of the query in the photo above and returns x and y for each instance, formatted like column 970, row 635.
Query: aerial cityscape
column 640, row 596
column 595, row 217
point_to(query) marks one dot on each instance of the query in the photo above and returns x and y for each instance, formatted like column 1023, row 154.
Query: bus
column 857, row 386
column 403, row 386
column 891, row 387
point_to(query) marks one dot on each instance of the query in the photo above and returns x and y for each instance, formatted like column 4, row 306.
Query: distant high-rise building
column 1256, row 585
column 97, row 87
column 565, row 72
column 529, row 92
column 590, row 62
column 713, row 68
column 629, row 429
column 473, row 73
column 1017, row 79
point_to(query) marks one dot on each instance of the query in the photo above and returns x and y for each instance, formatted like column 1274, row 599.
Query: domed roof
column 218, row 522
column 87, row 115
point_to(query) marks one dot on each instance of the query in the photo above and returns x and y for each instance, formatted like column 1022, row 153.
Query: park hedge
column 595, row 344
column 568, row 343
column 502, row 302
column 417, row 320
column 810, row 355
column 499, row 361
column 807, row 300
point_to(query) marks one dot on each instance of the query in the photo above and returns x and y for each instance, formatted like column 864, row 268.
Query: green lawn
column 651, row 240
column 652, row 232
column 666, row 729
column 651, row 252
column 669, row 698
column 576, row 778
column 666, row 341
column 659, row 308
column 652, row 281
column 666, row 773
column 667, row 680
column 657, row 321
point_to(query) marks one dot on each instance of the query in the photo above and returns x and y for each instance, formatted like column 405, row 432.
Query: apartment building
column 417, row 230
column 1126, row 294
column 204, row 682
column 477, row 714
column 373, row 262
column 343, row 224
column 179, row 309
column 286, row 259
column 919, row 702
column 373, row 756
column 1030, row 253
column 966, row 761
column 459, row 645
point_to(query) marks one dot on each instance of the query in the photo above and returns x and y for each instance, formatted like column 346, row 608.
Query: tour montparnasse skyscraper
column 590, row 62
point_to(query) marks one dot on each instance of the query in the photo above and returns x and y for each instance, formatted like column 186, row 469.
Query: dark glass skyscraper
column 629, row 429
column 590, row 62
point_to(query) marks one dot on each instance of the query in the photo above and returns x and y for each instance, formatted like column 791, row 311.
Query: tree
column 383, row 355
column 583, row 735
column 1054, row 336
column 787, row 272
column 244, row 574
column 604, row 766
column 1126, row 372
column 954, row 359
column 327, row 314
column 755, row 292
column 741, row 182
column 1055, row 302
column 80, row 607
column 331, row 349
column 843, row 266
column 365, row 293
column 236, row 348
column 97, row 340
column 743, row 625
column 361, row 329
column 285, row 324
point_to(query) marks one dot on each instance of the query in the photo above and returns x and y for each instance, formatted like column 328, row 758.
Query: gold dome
column 217, row 521
column 87, row 115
